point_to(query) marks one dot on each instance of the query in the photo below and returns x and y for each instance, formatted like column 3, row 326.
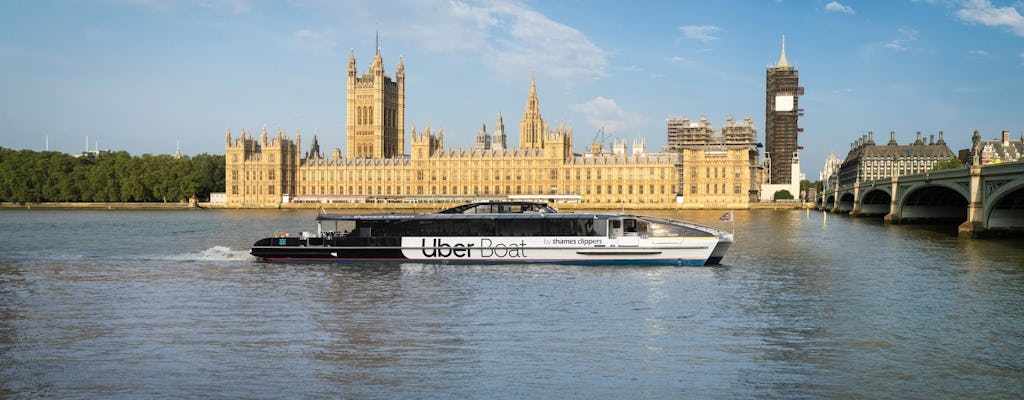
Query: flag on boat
column 321, row 212
column 726, row 217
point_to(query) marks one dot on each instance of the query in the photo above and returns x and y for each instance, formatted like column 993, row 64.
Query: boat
column 500, row 232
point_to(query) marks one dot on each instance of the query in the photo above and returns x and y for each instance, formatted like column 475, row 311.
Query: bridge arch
column 830, row 202
column 845, row 203
column 933, row 203
column 1004, row 206
column 875, row 202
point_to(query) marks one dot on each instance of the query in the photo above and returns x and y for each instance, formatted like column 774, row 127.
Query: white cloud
column 703, row 33
column 677, row 60
column 233, row 6
column 900, row 44
column 983, row 12
column 236, row 6
column 977, row 53
column 510, row 38
column 836, row 7
column 313, row 40
column 602, row 112
column 1021, row 58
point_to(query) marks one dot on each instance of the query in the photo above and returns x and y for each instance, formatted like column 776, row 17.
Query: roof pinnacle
column 782, row 59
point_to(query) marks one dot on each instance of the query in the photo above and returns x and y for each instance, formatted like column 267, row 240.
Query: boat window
column 472, row 227
column 643, row 228
column 521, row 227
column 435, row 227
column 616, row 224
column 629, row 225
column 662, row 228
column 562, row 227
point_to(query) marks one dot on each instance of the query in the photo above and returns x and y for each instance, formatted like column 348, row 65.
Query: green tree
column 28, row 176
column 950, row 163
column 783, row 195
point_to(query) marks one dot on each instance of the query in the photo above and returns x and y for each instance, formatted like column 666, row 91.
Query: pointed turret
column 532, row 127
column 498, row 140
column 483, row 140
column 352, row 63
column 377, row 67
column 314, row 150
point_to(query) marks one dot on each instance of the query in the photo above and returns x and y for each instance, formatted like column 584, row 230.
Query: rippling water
column 130, row 304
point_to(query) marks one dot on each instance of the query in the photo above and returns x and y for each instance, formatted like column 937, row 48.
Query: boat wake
column 216, row 253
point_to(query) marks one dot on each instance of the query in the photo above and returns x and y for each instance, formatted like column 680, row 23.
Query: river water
column 167, row 304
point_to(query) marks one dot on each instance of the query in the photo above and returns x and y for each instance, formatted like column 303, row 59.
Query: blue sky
column 144, row 75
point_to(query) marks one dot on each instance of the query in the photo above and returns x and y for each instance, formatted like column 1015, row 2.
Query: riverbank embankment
column 379, row 207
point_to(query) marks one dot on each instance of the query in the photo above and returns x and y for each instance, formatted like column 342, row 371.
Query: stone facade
column 719, row 167
column 375, row 111
column 867, row 161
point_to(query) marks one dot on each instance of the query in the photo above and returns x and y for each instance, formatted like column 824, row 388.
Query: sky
column 153, row 76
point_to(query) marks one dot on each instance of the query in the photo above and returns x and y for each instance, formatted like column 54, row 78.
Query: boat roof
column 426, row 217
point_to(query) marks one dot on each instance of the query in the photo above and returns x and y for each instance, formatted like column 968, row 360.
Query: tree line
column 28, row 176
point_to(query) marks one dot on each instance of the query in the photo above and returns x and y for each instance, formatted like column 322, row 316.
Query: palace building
column 271, row 170
column 719, row 167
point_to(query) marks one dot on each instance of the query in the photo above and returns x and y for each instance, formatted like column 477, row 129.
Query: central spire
column 531, row 128
column 782, row 60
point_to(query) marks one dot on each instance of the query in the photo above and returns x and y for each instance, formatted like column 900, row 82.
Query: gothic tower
column 483, row 140
column 531, row 129
column 375, row 112
column 781, row 113
column 498, row 140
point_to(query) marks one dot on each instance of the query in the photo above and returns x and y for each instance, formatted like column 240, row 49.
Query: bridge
column 984, row 200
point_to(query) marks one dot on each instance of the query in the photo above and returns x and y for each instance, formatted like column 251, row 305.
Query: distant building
column 996, row 151
column 218, row 197
column 829, row 175
column 94, row 154
column 867, row 161
column 719, row 168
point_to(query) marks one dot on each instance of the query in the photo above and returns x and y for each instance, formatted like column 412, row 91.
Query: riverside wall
column 377, row 207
